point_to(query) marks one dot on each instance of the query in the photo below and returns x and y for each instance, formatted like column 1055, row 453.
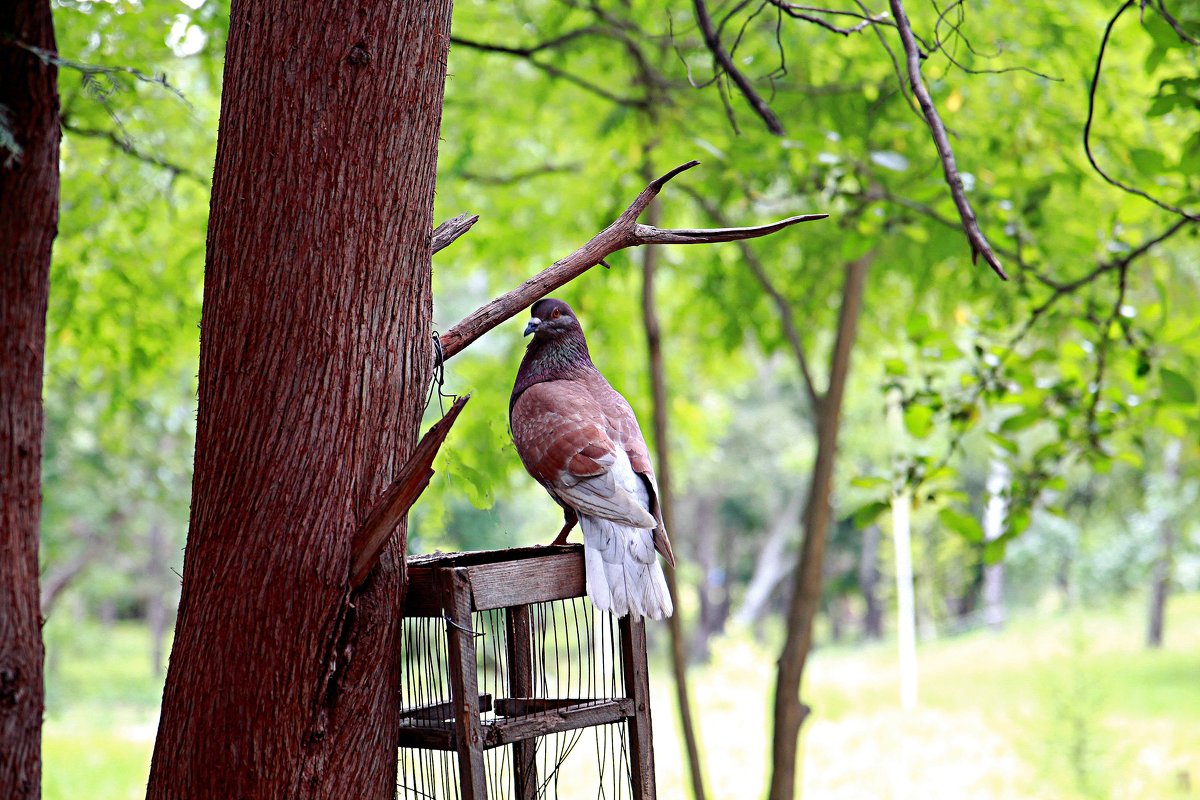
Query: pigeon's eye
column 555, row 314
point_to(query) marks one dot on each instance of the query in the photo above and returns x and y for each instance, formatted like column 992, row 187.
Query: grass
column 1067, row 707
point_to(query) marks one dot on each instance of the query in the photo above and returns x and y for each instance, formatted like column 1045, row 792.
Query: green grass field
column 1055, row 707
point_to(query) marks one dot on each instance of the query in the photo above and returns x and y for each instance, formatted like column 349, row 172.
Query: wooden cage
column 504, row 652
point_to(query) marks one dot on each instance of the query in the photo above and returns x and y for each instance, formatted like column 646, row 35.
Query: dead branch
column 624, row 232
column 979, row 244
column 399, row 497
column 445, row 234
column 726, row 65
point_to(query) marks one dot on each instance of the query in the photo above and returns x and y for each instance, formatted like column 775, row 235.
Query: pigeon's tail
column 623, row 573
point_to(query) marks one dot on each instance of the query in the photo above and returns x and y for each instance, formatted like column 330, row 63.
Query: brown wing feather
column 560, row 433
column 624, row 429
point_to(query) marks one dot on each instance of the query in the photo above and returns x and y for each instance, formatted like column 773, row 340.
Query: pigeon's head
column 551, row 319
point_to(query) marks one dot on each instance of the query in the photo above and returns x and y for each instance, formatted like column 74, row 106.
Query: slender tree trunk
column 28, row 224
column 156, row 602
column 868, row 583
column 1160, row 586
column 658, row 390
column 315, row 355
column 993, row 528
column 806, row 591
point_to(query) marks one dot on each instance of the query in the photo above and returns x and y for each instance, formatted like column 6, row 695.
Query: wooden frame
column 453, row 587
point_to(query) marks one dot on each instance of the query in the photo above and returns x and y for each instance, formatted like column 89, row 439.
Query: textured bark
column 789, row 712
column 28, row 223
column 658, row 389
column 315, row 354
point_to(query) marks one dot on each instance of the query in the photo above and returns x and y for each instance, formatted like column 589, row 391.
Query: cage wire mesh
column 575, row 658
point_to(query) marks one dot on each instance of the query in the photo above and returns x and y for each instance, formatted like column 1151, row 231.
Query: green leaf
column 962, row 523
column 865, row 516
column 918, row 420
column 1176, row 387
column 993, row 551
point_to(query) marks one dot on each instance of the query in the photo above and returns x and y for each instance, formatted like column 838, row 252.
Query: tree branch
column 1091, row 112
column 624, row 232
column 806, row 14
column 127, row 147
column 445, row 234
column 979, row 244
column 722, row 58
column 528, row 53
column 398, row 498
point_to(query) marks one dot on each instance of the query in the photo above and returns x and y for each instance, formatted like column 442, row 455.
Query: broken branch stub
column 399, row 497
column 445, row 234
column 624, row 232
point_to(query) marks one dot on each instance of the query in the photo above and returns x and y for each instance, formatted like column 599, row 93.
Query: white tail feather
column 623, row 573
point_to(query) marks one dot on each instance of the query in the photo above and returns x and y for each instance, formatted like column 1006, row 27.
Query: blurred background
column 1040, row 435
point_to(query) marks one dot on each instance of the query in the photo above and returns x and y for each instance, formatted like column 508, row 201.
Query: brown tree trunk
column 314, row 359
column 806, row 592
column 658, row 389
column 868, row 582
column 28, row 224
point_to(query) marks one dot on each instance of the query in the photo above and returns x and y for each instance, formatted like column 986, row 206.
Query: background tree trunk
column 994, row 513
column 789, row 712
column 868, row 582
column 314, row 360
column 28, row 224
column 658, row 390
column 1160, row 586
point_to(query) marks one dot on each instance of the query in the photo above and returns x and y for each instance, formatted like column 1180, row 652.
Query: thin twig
column 624, row 232
column 979, row 243
column 527, row 53
column 126, row 146
column 807, row 14
column 725, row 63
column 520, row 176
column 1087, row 126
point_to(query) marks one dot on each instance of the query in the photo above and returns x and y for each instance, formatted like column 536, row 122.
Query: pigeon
column 578, row 438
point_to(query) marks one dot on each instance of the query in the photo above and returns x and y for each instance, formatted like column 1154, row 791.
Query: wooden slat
column 516, row 729
column 510, row 583
column 519, row 643
column 500, row 578
column 442, row 711
column 637, row 689
column 464, row 683
column 520, row 706
column 428, row 737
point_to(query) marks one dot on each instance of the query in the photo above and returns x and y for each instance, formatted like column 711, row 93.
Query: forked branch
column 399, row 497
column 624, row 232
column 979, row 243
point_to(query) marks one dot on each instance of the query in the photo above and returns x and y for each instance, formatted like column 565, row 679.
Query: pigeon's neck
column 562, row 358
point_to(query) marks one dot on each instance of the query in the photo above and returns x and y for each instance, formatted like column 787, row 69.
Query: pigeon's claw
column 570, row 520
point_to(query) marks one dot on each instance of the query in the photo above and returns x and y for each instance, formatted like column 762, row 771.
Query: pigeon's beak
column 532, row 326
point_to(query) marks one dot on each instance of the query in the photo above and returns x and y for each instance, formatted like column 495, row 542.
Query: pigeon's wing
column 623, row 427
column 560, row 434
